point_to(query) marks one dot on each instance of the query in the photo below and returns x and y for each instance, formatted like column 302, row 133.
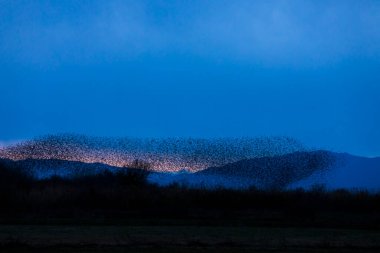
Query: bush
column 135, row 174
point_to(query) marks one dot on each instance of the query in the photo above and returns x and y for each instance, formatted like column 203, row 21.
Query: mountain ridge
column 298, row 169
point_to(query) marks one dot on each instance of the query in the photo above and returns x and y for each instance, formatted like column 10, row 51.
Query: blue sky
column 306, row 69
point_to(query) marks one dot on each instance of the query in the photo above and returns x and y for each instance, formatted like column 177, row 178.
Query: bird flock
column 163, row 154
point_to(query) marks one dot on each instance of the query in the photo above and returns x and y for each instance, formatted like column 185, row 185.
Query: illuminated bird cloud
column 164, row 154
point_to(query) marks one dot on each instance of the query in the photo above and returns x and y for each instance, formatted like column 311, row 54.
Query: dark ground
column 23, row 238
column 123, row 213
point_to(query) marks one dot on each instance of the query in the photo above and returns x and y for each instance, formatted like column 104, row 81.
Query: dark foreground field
column 123, row 213
column 23, row 238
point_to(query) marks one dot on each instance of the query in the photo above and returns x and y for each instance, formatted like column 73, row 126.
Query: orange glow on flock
column 165, row 155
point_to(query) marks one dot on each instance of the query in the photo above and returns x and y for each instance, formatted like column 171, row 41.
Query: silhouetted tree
column 136, row 173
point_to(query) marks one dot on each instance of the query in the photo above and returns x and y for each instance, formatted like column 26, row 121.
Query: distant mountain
column 348, row 172
column 298, row 169
column 275, row 172
column 45, row 168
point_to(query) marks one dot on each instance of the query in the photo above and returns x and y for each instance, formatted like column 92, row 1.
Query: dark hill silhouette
column 299, row 169
column 276, row 172
column 349, row 172
column 45, row 168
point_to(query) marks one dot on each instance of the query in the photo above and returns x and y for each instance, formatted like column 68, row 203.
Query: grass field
column 23, row 238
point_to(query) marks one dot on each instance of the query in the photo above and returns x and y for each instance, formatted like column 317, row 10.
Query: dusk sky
column 304, row 69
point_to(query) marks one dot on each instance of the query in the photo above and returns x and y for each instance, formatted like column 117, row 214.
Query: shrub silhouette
column 13, row 177
column 134, row 174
